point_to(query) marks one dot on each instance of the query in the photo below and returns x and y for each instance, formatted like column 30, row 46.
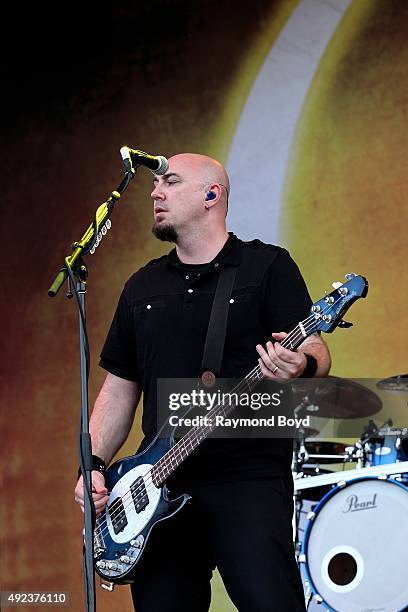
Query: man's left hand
column 279, row 362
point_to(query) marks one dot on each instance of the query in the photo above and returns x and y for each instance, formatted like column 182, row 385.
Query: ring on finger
column 275, row 369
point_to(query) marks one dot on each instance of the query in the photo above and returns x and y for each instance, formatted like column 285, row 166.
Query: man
column 240, row 516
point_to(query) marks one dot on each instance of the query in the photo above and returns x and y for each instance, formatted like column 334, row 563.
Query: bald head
column 205, row 169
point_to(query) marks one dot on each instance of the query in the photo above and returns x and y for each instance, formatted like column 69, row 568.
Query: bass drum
column 355, row 546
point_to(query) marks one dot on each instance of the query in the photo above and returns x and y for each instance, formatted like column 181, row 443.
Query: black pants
column 244, row 529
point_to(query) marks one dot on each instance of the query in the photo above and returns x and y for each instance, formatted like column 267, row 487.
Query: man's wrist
column 98, row 465
column 311, row 367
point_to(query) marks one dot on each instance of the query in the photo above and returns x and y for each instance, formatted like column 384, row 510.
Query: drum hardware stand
column 309, row 596
column 355, row 453
column 74, row 267
column 299, row 456
column 303, row 455
column 296, row 496
column 369, row 432
column 297, row 511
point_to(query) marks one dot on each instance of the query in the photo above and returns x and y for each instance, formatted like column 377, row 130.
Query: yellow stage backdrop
column 182, row 88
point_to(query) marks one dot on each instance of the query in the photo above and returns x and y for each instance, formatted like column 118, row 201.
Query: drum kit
column 351, row 502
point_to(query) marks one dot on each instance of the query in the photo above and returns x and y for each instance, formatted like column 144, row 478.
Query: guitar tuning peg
column 350, row 275
column 345, row 324
column 336, row 285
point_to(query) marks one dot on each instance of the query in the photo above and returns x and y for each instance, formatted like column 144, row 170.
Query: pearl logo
column 353, row 504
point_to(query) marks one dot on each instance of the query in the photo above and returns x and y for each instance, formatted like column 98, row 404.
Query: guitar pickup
column 117, row 515
column 139, row 494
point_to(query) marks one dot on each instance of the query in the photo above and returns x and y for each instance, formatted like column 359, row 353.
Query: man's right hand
column 99, row 492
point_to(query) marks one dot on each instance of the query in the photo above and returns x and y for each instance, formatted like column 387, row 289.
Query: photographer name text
column 222, row 421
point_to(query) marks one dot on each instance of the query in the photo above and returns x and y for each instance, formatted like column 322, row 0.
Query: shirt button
column 148, row 307
column 216, row 265
column 190, row 290
column 187, row 276
column 232, row 300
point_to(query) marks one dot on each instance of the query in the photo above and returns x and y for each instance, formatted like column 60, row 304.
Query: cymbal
column 337, row 398
column 394, row 383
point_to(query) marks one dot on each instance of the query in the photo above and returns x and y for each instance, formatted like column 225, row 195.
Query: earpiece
column 210, row 196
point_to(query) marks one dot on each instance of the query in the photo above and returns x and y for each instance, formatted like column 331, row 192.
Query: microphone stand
column 74, row 267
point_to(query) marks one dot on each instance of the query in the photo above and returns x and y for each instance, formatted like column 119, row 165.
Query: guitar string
column 180, row 446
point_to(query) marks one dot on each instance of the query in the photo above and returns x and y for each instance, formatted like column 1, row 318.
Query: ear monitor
column 210, row 196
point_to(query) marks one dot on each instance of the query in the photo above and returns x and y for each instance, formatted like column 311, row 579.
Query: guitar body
column 135, row 506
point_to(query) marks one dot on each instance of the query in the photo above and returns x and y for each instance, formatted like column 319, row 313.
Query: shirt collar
column 230, row 253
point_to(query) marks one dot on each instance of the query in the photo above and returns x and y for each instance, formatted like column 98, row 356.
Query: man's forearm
column 112, row 416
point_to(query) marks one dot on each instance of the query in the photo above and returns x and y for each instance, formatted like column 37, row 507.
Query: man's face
column 178, row 198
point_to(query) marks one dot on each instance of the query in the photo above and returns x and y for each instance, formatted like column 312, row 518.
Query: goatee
column 166, row 233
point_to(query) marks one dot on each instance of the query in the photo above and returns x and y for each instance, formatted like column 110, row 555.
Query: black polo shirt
column 159, row 331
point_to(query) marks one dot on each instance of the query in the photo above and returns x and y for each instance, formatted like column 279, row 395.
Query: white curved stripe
column 260, row 149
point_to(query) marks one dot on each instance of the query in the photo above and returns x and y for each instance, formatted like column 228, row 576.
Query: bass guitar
column 139, row 499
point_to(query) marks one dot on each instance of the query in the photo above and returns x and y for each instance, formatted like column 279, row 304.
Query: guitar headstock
column 328, row 311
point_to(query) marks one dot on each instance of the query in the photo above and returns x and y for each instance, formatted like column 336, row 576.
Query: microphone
column 156, row 163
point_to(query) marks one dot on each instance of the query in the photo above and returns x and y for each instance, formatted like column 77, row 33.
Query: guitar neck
column 195, row 436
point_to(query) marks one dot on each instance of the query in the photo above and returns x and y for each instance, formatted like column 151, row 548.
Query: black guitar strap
column 217, row 327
